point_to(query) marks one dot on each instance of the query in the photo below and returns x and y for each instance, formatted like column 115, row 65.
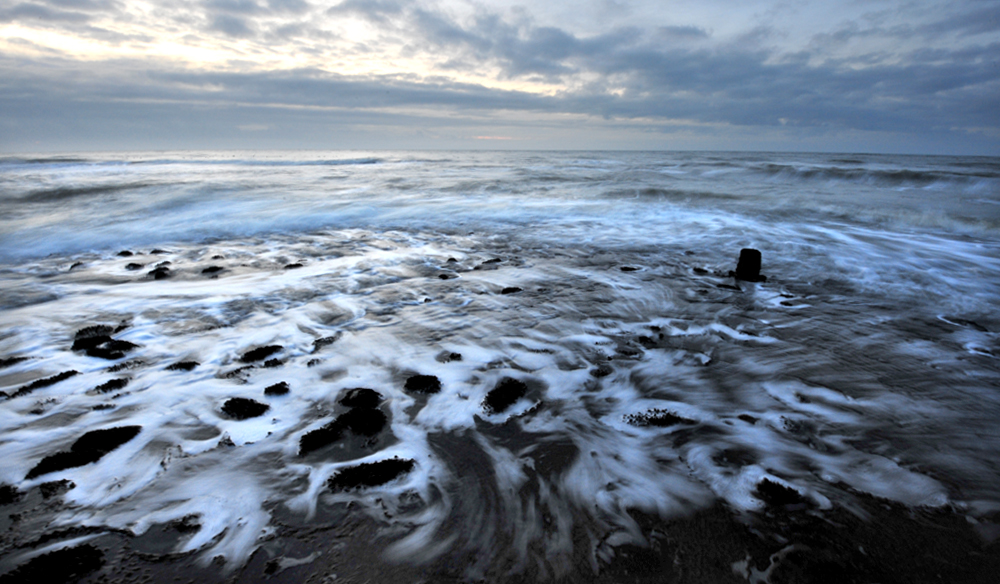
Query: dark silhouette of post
column 748, row 268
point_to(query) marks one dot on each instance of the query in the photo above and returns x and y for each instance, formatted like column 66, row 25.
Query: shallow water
column 866, row 363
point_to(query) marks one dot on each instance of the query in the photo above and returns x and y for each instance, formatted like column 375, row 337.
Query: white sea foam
column 662, row 388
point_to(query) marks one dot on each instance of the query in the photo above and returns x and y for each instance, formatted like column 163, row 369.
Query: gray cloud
column 244, row 7
column 980, row 20
column 683, row 32
column 233, row 26
column 661, row 74
column 28, row 11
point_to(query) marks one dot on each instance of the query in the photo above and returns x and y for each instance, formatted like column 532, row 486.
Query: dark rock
column 699, row 271
column 87, row 449
column 423, row 384
column 447, row 276
column 316, row 439
column 646, row 342
column 160, row 273
column 11, row 361
column 55, row 488
column 260, row 353
column 272, row 566
column 360, row 421
column 294, row 266
column 183, row 366
column 658, row 418
column 501, row 397
column 370, row 474
column 212, row 270
column 75, row 266
column 163, row 264
column 97, row 330
column 280, row 388
column 313, row 362
column 776, row 494
column 125, row 254
column 102, row 346
column 239, row 372
column 629, row 269
column 510, row 290
column 363, row 421
column 488, row 264
column 452, row 261
column 39, row 383
column 627, row 352
column 125, row 366
column 218, row 257
column 272, row 363
column 64, row 565
column 9, row 494
column 241, row 408
column 320, row 343
column 361, row 397
column 159, row 251
column 748, row 267
column 448, row 357
column 112, row 385
column 186, row 524
column 87, row 343
column 602, row 371
column 747, row 418
column 133, row 266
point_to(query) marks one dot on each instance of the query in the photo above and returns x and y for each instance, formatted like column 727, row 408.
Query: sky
column 919, row 77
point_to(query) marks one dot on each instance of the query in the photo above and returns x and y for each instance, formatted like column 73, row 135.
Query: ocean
column 566, row 382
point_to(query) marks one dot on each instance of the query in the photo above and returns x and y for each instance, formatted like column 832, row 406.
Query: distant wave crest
column 881, row 177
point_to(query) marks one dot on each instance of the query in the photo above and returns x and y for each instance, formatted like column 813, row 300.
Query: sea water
column 866, row 362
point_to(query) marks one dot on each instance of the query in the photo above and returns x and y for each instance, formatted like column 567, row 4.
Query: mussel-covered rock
column 320, row 437
column 363, row 421
column 45, row 382
column 280, row 388
column 112, row 385
column 260, row 353
column 361, row 397
column 96, row 341
column 370, row 474
column 776, row 494
column 657, row 418
column 183, row 366
column 241, row 408
column 89, row 448
column 423, row 384
column 501, row 397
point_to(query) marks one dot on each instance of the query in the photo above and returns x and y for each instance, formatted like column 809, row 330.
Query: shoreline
column 525, row 383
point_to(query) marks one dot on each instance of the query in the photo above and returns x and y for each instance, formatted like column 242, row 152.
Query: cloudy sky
column 916, row 76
